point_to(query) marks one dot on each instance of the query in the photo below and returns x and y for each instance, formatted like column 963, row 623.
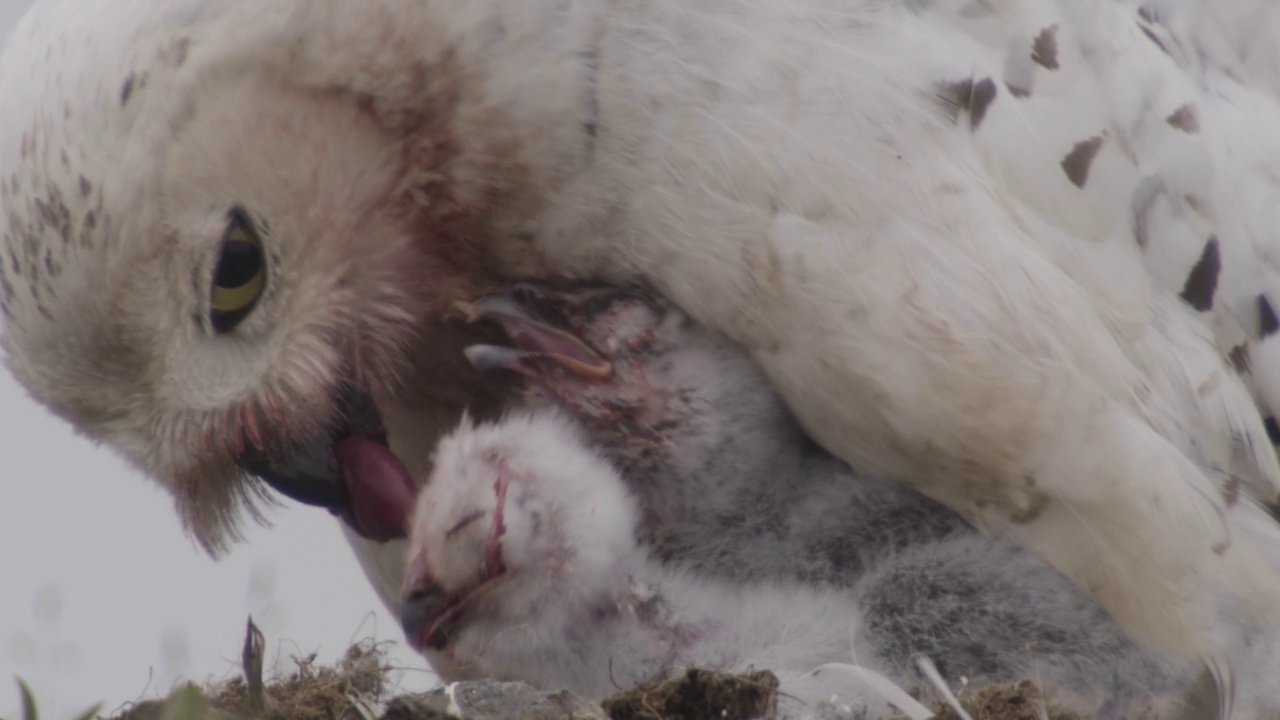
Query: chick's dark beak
column 423, row 604
column 350, row 471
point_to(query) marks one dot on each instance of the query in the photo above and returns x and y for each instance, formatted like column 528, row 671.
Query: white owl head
column 221, row 233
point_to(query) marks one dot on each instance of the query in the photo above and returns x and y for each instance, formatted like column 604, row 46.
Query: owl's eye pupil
column 240, row 276
column 239, row 265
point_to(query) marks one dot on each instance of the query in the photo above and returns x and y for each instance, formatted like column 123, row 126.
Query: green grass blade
column 29, row 711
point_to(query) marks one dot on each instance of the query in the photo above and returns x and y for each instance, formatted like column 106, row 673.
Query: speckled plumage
column 1019, row 252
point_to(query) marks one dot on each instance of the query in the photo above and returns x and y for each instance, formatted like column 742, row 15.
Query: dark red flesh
column 381, row 490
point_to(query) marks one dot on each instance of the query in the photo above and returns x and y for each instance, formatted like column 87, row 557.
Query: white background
column 104, row 599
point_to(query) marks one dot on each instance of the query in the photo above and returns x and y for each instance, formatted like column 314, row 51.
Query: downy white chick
column 728, row 489
column 525, row 563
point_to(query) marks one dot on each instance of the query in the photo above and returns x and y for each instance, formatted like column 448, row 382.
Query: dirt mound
column 698, row 695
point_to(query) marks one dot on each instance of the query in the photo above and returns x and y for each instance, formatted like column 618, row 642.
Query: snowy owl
column 523, row 564
column 1018, row 251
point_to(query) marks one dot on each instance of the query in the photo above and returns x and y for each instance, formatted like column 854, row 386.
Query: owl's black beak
column 349, row 471
column 308, row 474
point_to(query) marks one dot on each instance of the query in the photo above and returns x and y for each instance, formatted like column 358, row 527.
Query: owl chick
column 727, row 486
column 726, row 480
column 1016, row 253
column 523, row 564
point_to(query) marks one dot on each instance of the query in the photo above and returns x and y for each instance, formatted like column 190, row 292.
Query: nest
column 698, row 695
column 1017, row 701
column 351, row 689
column 358, row 685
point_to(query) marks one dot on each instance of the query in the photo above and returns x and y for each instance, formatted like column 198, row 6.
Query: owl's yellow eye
column 241, row 275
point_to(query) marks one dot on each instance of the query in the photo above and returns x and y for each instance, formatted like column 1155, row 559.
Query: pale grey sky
column 102, row 597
